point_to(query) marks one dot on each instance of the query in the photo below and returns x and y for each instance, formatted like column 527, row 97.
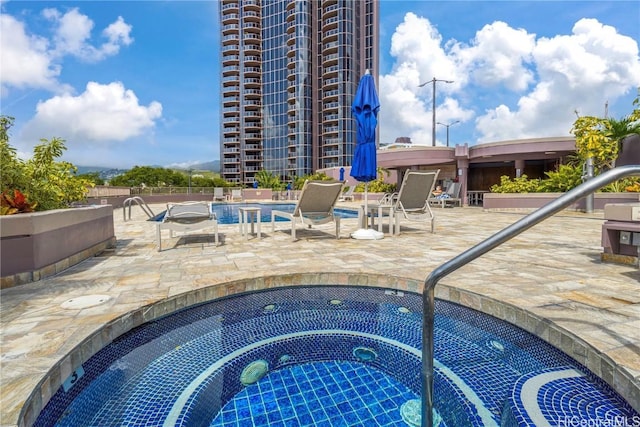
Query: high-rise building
column 290, row 70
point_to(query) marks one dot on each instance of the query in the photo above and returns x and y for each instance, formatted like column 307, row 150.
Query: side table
column 249, row 215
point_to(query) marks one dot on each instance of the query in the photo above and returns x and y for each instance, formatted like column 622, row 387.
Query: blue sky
column 137, row 82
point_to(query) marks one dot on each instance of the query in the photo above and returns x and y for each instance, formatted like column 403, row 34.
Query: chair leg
column 396, row 228
column 293, row 229
column 337, row 221
column 159, row 237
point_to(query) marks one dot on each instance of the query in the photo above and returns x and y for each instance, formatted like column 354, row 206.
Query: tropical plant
column 266, row 179
column 521, row 184
column 561, row 180
column 298, row 183
column 43, row 180
column 15, row 203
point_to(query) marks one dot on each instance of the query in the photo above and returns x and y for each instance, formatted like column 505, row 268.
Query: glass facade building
column 290, row 70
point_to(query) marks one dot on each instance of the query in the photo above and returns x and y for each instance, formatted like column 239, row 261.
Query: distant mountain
column 106, row 173
column 213, row 166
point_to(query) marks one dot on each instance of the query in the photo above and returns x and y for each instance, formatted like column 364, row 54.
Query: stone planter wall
column 41, row 244
column 532, row 201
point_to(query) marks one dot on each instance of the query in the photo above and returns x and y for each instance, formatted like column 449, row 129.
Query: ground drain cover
column 85, row 301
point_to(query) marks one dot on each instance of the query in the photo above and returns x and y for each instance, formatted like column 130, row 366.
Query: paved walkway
column 549, row 280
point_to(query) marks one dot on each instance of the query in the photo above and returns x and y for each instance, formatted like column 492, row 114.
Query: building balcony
column 251, row 16
column 330, row 23
column 229, row 18
column 229, row 81
column 229, row 6
column 230, row 28
column 330, row 9
column 252, row 60
column 330, row 47
column 252, row 93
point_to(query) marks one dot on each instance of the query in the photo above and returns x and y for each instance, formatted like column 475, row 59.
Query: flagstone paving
column 549, row 280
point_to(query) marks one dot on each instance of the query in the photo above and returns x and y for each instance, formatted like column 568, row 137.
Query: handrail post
column 428, row 292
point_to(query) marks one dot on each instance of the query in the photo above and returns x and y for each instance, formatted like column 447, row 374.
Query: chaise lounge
column 410, row 203
column 314, row 207
column 187, row 216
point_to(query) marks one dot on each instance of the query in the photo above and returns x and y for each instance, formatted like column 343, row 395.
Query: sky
column 128, row 83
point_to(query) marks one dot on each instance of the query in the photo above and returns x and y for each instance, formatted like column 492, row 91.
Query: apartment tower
column 290, row 70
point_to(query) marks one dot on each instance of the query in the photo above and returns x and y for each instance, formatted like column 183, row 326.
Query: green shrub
column 43, row 180
column 561, row 180
column 521, row 184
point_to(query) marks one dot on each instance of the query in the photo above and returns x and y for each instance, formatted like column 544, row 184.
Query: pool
column 328, row 356
column 227, row 213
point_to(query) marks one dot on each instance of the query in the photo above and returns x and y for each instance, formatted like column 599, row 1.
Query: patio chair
column 218, row 194
column 314, row 207
column 347, row 195
column 410, row 203
column 187, row 216
column 450, row 197
column 236, row 195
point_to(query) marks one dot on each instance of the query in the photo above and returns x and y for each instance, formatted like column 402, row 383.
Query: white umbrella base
column 368, row 234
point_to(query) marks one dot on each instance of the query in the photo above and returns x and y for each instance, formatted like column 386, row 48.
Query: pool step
column 564, row 396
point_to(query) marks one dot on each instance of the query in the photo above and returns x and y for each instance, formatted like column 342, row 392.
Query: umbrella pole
column 366, row 206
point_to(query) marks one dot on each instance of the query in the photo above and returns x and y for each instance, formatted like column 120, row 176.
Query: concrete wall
column 531, row 201
column 40, row 244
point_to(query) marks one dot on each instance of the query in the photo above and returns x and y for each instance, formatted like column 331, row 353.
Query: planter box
column 532, row 201
column 41, row 244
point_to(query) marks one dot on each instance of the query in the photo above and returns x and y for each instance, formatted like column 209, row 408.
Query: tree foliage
column 596, row 138
column 43, row 180
column 94, row 177
column 318, row 176
column 266, row 179
column 147, row 176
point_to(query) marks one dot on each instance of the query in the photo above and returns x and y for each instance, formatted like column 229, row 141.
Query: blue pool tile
column 315, row 379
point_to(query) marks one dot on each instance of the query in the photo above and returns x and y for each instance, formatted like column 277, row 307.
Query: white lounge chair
column 314, row 207
column 410, row 203
column 218, row 194
column 187, row 216
column 347, row 195
column 236, row 195
column 449, row 197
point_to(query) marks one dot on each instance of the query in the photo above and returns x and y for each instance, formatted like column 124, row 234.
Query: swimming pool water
column 330, row 355
column 227, row 213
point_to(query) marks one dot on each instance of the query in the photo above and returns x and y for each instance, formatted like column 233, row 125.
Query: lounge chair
column 236, row 195
column 410, row 203
column 347, row 195
column 314, row 207
column 450, row 197
column 187, row 216
column 218, row 194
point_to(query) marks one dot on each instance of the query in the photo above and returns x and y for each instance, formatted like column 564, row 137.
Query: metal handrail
column 483, row 247
column 140, row 202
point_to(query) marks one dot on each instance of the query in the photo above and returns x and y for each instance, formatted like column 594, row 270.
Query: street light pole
column 433, row 115
column 447, row 125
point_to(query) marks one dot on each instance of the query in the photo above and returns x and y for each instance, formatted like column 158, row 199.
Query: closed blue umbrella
column 364, row 166
column 365, row 110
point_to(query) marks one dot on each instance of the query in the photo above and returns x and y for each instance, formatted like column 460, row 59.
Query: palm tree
column 626, row 134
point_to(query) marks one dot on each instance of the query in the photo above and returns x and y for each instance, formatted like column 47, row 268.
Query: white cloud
column 527, row 87
column 34, row 62
column 24, row 59
column 578, row 72
column 102, row 113
column 496, row 56
column 73, row 34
